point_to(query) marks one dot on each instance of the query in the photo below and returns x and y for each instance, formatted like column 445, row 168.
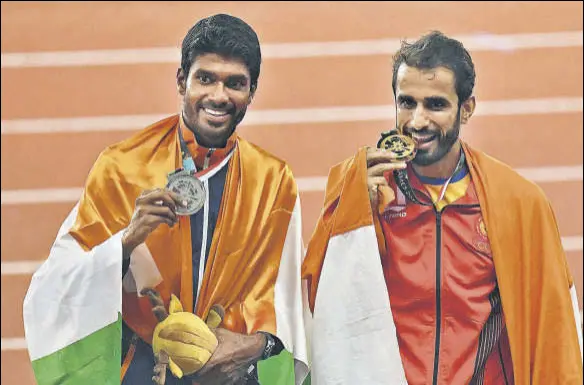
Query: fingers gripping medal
column 401, row 146
column 404, row 149
column 188, row 187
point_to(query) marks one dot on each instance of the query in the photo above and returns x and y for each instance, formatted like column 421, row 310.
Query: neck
column 444, row 167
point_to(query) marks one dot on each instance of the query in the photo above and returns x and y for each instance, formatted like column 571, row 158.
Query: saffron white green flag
column 72, row 312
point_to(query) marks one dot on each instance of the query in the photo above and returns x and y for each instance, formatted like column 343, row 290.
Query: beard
column 238, row 118
column 445, row 140
column 212, row 138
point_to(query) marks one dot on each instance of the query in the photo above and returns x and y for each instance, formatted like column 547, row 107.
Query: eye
column 437, row 105
column 406, row 103
column 204, row 79
column 237, row 84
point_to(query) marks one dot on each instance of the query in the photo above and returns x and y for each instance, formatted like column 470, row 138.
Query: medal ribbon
column 187, row 160
column 403, row 183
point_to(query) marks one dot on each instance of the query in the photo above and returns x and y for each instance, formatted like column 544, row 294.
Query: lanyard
column 403, row 182
column 187, row 160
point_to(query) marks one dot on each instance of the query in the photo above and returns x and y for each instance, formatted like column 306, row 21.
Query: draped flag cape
column 76, row 300
column 353, row 334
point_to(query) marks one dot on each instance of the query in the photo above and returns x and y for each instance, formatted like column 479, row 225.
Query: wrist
column 258, row 346
column 270, row 345
column 127, row 247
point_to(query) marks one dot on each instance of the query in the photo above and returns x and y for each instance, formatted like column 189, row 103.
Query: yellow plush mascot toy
column 181, row 340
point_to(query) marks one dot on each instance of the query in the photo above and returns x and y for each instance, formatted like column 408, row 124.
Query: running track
column 78, row 77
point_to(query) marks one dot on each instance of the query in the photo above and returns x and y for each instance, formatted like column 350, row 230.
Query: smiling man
column 187, row 207
column 448, row 269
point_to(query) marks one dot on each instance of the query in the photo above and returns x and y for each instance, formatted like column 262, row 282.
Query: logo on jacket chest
column 480, row 239
column 397, row 208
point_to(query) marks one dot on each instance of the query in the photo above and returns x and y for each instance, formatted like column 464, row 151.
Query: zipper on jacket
column 438, row 294
column 208, row 158
column 439, row 279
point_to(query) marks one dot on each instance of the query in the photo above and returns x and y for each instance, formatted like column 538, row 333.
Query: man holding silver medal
column 438, row 263
column 196, row 220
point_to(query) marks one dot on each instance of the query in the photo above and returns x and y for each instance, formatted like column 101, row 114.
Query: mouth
column 216, row 116
column 424, row 141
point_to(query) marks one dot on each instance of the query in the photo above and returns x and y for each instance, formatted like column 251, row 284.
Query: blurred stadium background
column 78, row 76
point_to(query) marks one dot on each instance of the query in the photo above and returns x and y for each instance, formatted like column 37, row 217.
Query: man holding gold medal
column 184, row 251
column 433, row 263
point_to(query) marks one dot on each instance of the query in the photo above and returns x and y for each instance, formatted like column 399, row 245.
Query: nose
column 218, row 96
column 419, row 121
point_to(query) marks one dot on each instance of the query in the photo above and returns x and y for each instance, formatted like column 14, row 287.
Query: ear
column 251, row 94
column 181, row 81
column 467, row 109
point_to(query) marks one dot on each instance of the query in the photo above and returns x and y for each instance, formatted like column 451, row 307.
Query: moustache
column 409, row 131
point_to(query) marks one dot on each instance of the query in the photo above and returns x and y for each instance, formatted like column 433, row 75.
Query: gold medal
column 401, row 146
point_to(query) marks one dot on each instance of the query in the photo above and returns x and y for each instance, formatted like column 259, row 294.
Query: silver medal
column 189, row 188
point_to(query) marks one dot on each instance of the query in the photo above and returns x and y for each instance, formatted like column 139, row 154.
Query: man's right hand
column 153, row 208
column 378, row 163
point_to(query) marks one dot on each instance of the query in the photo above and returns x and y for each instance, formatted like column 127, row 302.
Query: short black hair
column 223, row 35
column 437, row 50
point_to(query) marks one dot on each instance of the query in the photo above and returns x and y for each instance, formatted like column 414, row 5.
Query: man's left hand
column 232, row 358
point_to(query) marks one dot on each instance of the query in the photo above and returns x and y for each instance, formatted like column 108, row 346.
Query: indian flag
column 72, row 313
column 73, row 328
column 352, row 317
column 354, row 339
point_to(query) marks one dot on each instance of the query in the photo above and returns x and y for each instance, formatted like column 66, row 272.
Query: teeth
column 423, row 138
column 215, row 112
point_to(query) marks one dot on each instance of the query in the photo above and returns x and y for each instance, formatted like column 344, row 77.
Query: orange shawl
column 259, row 196
column 532, row 272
